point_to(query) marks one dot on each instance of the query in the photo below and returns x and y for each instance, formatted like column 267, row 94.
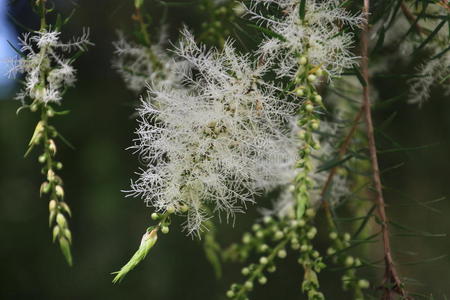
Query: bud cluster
column 308, row 121
column 44, row 135
column 220, row 16
column 271, row 239
column 338, row 255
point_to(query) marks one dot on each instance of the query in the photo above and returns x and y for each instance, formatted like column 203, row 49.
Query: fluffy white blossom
column 46, row 68
column 214, row 144
column 139, row 65
column 430, row 73
column 435, row 71
column 319, row 37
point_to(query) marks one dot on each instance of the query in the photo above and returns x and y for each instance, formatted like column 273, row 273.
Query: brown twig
column 391, row 282
column 341, row 153
column 411, row 18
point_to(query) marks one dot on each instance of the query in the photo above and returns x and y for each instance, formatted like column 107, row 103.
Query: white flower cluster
column 139, row 65
column 433, row 72
column 216, row 142
column 47, row 72
column 319, row 37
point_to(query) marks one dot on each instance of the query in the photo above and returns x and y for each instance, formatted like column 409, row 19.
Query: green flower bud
column 165, row 229
column 184, row 208
column 245, row 271
column 230, row 294
column 263, row 248
column 262, row 280
column 303, row 60
column 52, row 205
column 59, row 191
column 50, row 112
column 65, row 208
column 299, row 91
column 50, row 175
column 42, row 158
column 247, row 238
column 256, row 227
column 282, row 253
column 333, row 235
column 68, row 235
column 318, row 99
column 349, row 260
column 347, row 237
column 263, row 260
column 331, row 251
column 310, row 212
column 279, row 235
column 364, row 284
column 312, row 78
column 302, row 134
column 319, row 72
column 267, row 219
column 61, row 220
column 52, row 147
column 56, row 231
column 170, row 209
column 309, row 107
column 248, row 285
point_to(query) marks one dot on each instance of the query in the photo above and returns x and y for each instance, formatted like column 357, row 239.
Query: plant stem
column 391, row 282
column 411, row 18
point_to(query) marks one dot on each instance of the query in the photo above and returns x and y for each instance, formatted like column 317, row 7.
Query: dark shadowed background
column 107, row 227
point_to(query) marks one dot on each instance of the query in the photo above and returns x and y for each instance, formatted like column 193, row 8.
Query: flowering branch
column 47, row 75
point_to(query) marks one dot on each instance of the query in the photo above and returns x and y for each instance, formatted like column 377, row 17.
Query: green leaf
column 415, row 233
column 431, row 35
column 59, row 22
column 15, row 21
column 380, row 40
column 365, row 221
column 301, row 206
column 15, row 49
column 333, row 163
column 359, row 76
column 212, row 249
column 190, row 3
column 268, row 32
column 302, row 9
column 148, row 241
column 404, row 149
column 423, row 261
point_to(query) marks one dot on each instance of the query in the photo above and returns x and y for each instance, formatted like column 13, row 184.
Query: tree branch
column 391, row 282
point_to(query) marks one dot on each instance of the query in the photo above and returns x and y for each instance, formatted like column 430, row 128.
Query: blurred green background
column 107, row 227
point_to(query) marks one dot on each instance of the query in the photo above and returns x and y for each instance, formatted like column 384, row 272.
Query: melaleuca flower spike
column 316, row 35
column 46, row 65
